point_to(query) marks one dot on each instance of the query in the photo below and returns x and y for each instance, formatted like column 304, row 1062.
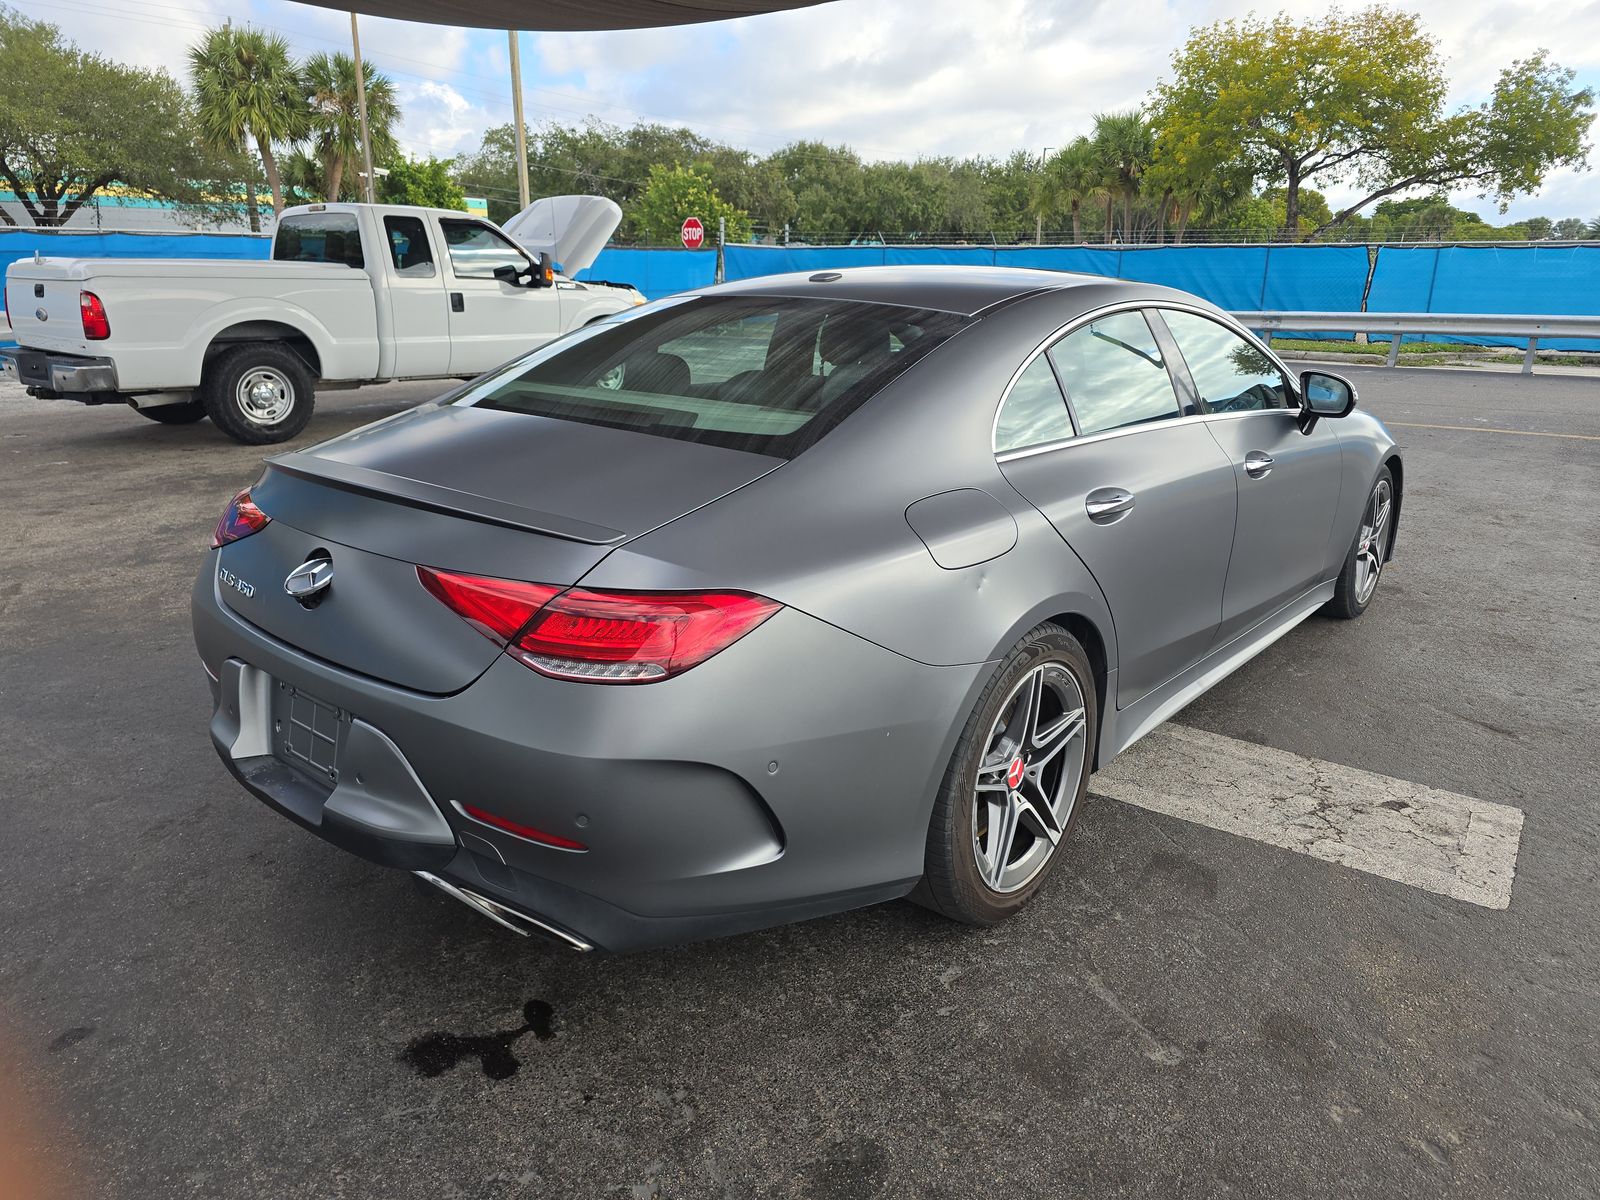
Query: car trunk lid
column 459, row 489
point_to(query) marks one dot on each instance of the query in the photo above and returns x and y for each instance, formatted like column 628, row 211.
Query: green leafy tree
column 1569, row 229
column 1359, row 98
column 335, row 117
column 425, row 182
column 828, row 184
column 249, row 89
column 673, row 194
column 73, row 123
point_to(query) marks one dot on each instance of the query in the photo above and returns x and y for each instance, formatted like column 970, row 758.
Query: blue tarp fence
column 21, row 243
column 1465, row 279
column 1561, row 280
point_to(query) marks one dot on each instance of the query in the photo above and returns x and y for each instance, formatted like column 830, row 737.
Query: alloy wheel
column 1373, row 540
column 1027, row 781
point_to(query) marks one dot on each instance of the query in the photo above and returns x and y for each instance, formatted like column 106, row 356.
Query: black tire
column 278, row 369
column 186, row 413
column 953, row 881
column 1351, row 596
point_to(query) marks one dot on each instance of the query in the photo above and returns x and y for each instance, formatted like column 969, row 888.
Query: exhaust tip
column 519, row 923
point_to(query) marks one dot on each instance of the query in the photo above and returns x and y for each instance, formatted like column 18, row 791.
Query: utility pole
column 1038, row 213
column 516, row 116
column 361, row 104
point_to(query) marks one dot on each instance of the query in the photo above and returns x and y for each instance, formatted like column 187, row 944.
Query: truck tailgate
column 43, row 307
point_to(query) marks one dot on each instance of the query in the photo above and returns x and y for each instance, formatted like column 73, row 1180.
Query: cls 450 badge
column 229, row 579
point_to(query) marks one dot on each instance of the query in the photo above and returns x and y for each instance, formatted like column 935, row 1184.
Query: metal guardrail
column 1461, row 324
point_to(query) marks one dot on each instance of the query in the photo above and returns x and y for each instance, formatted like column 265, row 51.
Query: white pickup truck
column 353, row 294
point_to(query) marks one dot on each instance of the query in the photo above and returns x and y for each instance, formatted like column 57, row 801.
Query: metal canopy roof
column 565, row 15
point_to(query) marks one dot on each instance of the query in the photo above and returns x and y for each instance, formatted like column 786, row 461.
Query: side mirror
column 1325, row 395
column 508, row 274
column 544, row 272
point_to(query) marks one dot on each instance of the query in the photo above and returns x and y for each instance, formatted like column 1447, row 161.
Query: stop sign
column 693, row 233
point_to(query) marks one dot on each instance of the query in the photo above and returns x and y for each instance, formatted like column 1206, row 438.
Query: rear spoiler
column 431, row 496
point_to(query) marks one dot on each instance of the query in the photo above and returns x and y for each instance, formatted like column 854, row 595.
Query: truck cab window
column 408, row 247
column 476, row 250
column 325, row 237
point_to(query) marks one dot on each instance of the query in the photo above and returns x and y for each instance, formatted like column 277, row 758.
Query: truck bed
column 164, row 312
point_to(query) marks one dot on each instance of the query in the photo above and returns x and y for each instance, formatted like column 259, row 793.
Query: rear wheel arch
column 1088, row 636
column 296, row 340
column 1397, row 471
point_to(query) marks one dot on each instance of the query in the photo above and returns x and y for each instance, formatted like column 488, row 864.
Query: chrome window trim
column 1221, row 318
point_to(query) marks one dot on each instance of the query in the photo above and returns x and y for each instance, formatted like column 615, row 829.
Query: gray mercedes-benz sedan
column 781, row 598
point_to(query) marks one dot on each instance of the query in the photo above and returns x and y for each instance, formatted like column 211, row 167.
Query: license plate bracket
column 308, row 733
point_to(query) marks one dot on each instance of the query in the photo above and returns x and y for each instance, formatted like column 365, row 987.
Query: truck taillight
column 95, row 326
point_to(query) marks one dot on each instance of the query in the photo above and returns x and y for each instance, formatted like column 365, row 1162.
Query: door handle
column 1257, row 465
column 458, row 302
column 1105, row 505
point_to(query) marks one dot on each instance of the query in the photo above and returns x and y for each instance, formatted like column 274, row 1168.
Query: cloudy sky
column 892, row 78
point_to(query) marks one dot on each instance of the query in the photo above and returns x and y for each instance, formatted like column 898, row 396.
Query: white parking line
column 1454, row 845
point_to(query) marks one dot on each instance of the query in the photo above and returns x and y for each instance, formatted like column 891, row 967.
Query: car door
column 491, row 320
column 419, row 314
column 1143, row 495
column 1288, row 481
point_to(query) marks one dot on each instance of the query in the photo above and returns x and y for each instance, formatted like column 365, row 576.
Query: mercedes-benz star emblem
column 309, row 579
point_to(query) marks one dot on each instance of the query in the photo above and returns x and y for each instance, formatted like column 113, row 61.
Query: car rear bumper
column 71, row 375
column 790, row 776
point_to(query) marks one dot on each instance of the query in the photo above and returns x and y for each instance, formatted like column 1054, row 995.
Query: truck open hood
column 572, row 230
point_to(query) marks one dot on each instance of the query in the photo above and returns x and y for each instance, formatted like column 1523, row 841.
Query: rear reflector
column 600, row 637
column 239, row 520
column 523, row 831
column 96, row 328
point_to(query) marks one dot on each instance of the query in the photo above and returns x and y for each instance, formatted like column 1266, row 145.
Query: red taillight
column 600, row 637
column 95, row 326
column 239, row 520
column 635, row 637
column 497, row 608
column 523, row 831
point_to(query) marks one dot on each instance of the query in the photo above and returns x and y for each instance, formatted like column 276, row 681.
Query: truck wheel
column 258, row 393
column 186, row 413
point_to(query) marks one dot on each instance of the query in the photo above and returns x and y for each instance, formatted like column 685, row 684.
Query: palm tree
column 330, row 81
column 249, row 89
column 1594, row 228
column 1076, row 176
column 1126, row 144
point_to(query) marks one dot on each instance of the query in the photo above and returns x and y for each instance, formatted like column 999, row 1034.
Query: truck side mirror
column 544, row 272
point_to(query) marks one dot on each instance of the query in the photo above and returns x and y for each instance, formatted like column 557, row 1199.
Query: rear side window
column 325, row 237
column 1114, row 374
column 476, row 250
column 750, row 373
column 1034, row 412
column 408, row 247
column 1230, row 374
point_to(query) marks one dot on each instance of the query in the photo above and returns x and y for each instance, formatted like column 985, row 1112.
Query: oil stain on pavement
column 433, row 1054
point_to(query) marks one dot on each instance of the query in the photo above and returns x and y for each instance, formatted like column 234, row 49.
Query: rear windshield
column 320, row 238
column 751, row 373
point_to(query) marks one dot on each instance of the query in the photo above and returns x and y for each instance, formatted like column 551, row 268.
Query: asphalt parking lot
column 198, row 999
